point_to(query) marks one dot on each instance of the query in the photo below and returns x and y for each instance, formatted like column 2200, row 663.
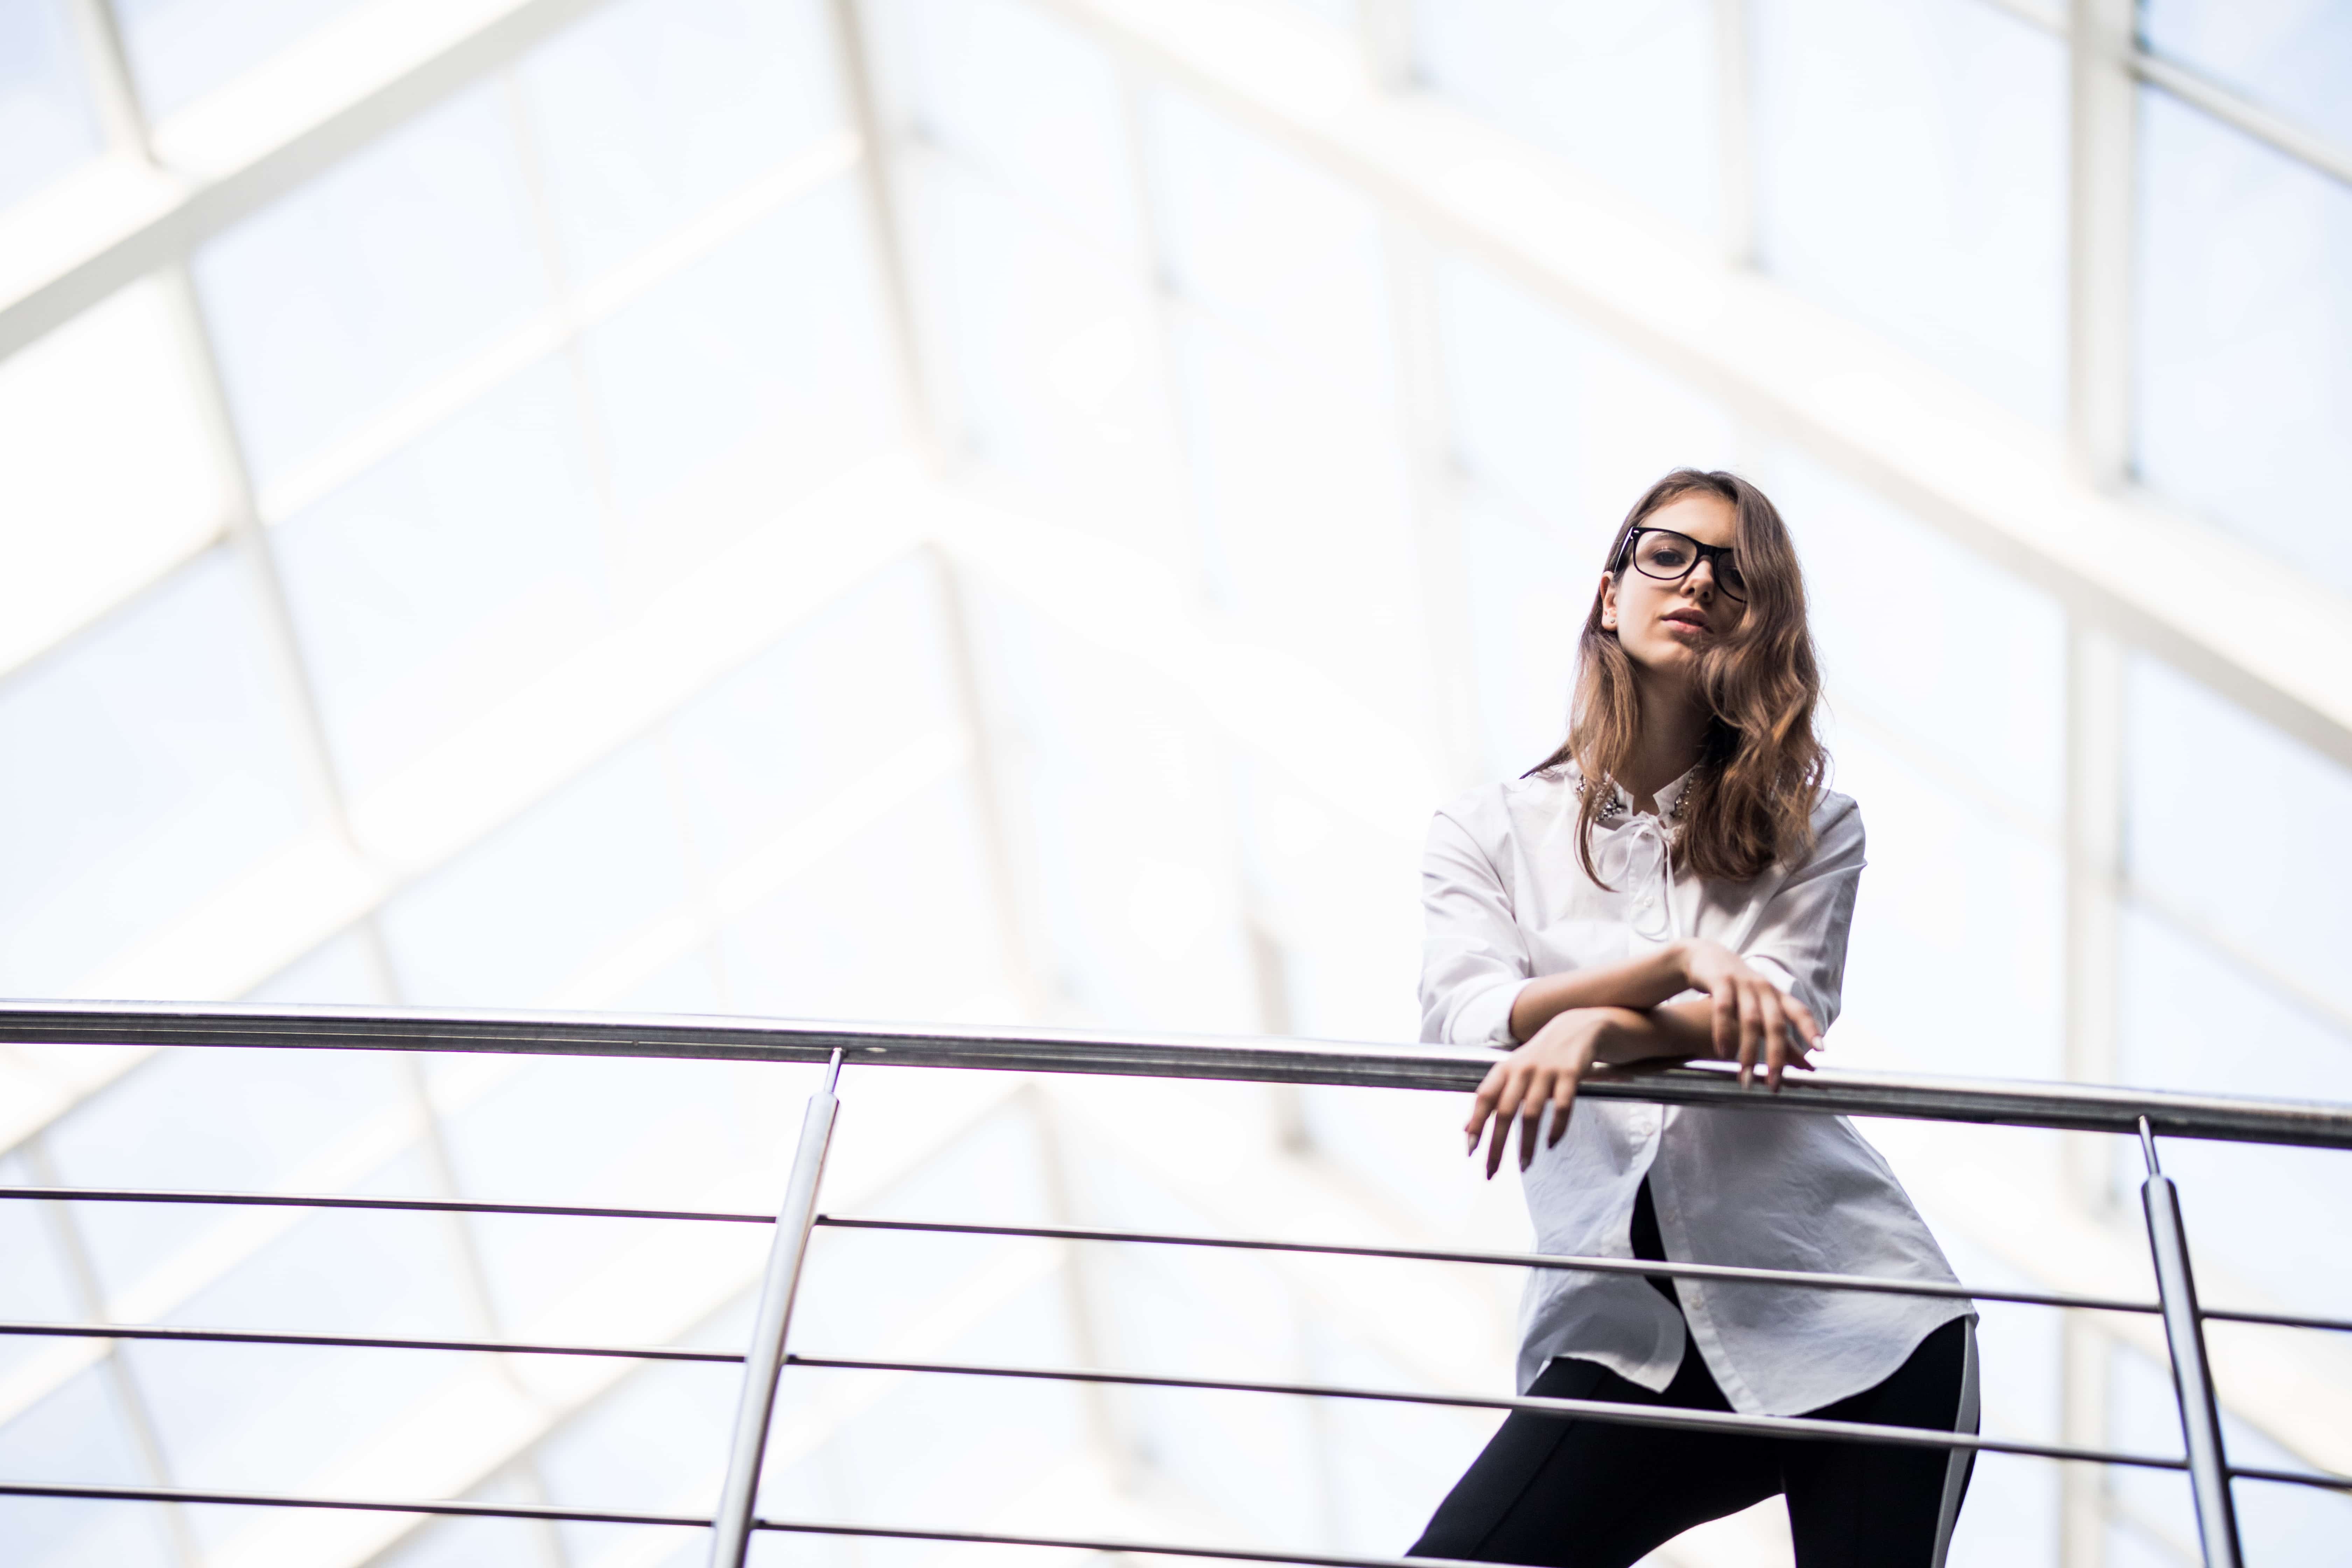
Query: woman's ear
column 1608, row 601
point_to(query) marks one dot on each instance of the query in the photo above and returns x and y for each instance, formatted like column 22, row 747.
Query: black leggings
column 1575, row 1493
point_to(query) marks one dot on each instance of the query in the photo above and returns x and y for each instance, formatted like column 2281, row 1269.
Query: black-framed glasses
column 1670, row 557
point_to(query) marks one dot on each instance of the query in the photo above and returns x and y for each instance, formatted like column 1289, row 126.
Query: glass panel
column 1052, row 362
column 142, row 765
column 1305, row 519
column 47, row 123
column 2290, row 56
column 1137, row 928
column 181, row 49
column 35, row 1285
column 1347, row 901
column 79, row 1434
column 373, row 281
column 1529, row 594
column 2244, row 336
column 785, row 736
column 1919, row 636
column 341, row 971
column 651, row 110
column 1575, row 78
column 2193, row 1020
column 549, row 899
column 107, row 476
column 1560, row 421
column 220, row 1119
column 1292, row 256
column 1911, row 164
column 1954, row 892
column 851, row 937
column 1030, row 102
column 2239, row 830
column 746, row 378
column 433, row 585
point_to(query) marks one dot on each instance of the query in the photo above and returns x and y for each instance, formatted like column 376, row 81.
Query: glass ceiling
column 1016, row 510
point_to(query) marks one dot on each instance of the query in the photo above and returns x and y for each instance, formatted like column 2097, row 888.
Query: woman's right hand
column 1754, row 1020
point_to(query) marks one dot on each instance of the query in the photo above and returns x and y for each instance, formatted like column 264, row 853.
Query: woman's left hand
column 1542, row 1073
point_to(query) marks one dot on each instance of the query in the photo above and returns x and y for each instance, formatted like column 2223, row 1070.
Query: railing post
column 763, row 1358
column 2192, row 1378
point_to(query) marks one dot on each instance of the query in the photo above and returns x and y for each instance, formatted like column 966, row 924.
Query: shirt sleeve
column 1474, row 959
column 1799, row 939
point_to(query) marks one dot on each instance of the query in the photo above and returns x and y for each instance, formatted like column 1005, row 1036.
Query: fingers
column 1751, row 1034
column 1482, row 1106
column 1725, row 1017
column 1538, row 1099
column 1506, row 1107
column 1564, row 1100
column 1776, row 1041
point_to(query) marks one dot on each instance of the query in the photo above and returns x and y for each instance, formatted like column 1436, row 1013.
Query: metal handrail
column 2071, row 1107
column 2146, row 1113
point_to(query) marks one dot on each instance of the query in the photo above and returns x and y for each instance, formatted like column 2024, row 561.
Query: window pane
column 1030, row 103
column 1563, row 422
column 430, row 587
column 1912, row 172
column 1574, row 77
column 547, row 897
column 1289, row 253
column 78, row 1436
column 223, row 1119
column 1052, row 361
column 785, row 736
column 1138, row 928
column 106, row 474
column 1920, row 637
column 1954, row 894
column 373, row 281
column 181, row 49
column 746, row 378
column 1530, row 592
column 1307, row 526
column 141, row 767
column 2234, row 825
column 651, row 110
column 2193, row 1020
column 47, row 125
column 2245, row 335
column 2290, row 56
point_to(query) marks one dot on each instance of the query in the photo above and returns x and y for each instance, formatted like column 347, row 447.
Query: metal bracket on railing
column 2192, row 1377
column 763, row 1360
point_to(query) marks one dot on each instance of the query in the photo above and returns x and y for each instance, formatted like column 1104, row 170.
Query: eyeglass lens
column 1670, row 556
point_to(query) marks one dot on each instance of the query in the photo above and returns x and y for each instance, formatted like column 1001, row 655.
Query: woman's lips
column 1691, row 623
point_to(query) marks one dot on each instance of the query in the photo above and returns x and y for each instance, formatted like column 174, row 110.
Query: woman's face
column 1663, row 625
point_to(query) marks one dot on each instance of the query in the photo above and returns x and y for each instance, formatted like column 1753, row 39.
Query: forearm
column 1673, row 1032
column 1640, row 983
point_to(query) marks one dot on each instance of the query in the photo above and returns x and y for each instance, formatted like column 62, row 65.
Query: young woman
column 1675, row 882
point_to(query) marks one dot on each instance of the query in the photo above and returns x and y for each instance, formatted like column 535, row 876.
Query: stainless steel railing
column 2146, row 1113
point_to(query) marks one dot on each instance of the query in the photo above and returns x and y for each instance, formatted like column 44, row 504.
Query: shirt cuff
column 1486, row 1018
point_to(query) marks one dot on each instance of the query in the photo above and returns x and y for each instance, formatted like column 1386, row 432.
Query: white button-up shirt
column 1507, row 901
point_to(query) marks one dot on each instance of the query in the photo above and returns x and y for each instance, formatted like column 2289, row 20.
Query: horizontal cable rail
column 174, row 1333
column 2074, row 1107
column 1861, row 1282
column 1731, row 1272
column 357, row 1201
column 1611, row 1412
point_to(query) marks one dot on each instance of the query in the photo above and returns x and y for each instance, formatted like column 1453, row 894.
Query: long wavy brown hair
column 1749, row 804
